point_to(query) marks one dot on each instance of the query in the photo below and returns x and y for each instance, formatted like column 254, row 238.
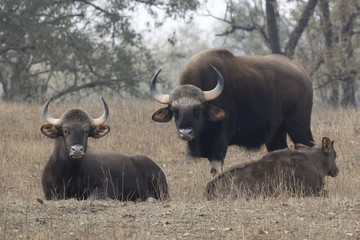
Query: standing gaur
column 300, row 171
column 226, row 100
column 76, row 171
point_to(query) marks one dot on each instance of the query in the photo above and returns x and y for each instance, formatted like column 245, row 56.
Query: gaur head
column 327, row 148
column 188, row 104
column 74, row 127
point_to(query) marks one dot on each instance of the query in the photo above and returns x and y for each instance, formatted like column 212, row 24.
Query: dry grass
column 24, row 152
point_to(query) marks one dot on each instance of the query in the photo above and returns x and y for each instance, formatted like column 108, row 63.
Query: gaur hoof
column 213, row 171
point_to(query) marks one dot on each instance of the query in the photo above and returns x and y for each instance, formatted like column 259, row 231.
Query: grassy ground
column 24, row 214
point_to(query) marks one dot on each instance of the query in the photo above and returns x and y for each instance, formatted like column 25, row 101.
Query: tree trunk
column 334, row 94
column 326, row 24
column 348, row 98
column 272, row 27
column 7, row 84
column 14, row 90
column 348, row 19
column 300, row 27
column 328, row 55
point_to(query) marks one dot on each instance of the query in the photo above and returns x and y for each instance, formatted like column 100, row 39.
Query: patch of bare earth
column 188, row 215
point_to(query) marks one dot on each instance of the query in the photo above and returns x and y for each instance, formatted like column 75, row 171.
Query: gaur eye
column 175, row 112
column 197, row 111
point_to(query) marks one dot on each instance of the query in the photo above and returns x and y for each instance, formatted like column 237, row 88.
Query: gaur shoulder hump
column 222, row 52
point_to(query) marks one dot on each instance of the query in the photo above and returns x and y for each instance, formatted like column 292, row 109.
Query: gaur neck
column 203, row 144
column 194, row 148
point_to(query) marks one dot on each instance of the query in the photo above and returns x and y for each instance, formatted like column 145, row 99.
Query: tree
column 338, row 57
column 250, row 16
column 61, row 47
column 174, row 52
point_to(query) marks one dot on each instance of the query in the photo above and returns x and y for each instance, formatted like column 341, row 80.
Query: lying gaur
column 76, row 171
column 301, row 171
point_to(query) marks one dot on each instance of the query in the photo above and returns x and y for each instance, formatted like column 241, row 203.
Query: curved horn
column 212, row 94
column 159, row 97
column 49, row 119
column 102, row 119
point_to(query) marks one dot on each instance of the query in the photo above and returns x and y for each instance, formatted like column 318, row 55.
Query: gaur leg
column 52, row 193
column 217, row 156
column 47, row 191
column 298, row 127
column 216, row 166
column 278, row 141
column 323, row 193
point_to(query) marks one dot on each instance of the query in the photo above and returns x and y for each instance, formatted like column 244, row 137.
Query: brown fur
column 75, row 117
column 300, row 171
column 222, row 52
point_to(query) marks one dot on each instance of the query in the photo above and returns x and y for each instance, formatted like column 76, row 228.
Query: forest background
column 87, row 48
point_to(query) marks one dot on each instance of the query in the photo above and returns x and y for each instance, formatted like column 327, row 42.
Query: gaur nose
column 77, row 151
column 336, row 172
column 186, row 134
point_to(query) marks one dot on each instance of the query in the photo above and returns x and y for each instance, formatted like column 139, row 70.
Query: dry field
column 24, row 152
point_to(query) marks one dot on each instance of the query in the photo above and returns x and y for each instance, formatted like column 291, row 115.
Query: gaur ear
column 327, row 144
column 100, row 131
column 162, row 115
column 215, row 114
column 50, row 131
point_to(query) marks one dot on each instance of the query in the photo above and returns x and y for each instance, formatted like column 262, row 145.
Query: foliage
column 60, row 47
column 333, row 54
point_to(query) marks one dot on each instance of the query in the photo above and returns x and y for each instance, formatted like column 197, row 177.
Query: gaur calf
column 300, row 171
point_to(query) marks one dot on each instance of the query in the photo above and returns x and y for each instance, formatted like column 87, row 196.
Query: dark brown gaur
column 248, row 101
column 74, row 171
column 301, row 171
